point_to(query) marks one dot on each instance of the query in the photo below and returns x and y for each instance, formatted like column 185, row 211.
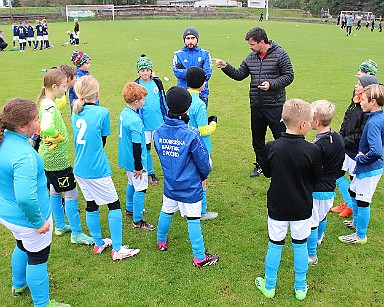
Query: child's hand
column 139, row 174
column 44, row 229
column 52, row 141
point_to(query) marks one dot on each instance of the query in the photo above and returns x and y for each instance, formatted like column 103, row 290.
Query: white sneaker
column 209, row 215
column 321, row 240
column 313, row 260
column 99, row 249
column 124, row 252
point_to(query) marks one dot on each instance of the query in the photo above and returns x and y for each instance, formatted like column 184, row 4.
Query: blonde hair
column 86, row 89
column 323, row 110
column 133, row 91
column 53, row 76
column 295, row 111
column 375, row 91
column 16, row 112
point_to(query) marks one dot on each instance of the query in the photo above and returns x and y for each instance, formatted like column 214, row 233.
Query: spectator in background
column 3, row 43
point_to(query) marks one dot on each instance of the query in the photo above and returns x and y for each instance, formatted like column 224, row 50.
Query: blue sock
column 19, row 267
column 343, row 185
column 196, row 238
column 38, row 283
column 312, row 242
column 73, row 216
column 355, row 210
column 272, row 263
column 204, row 202
column 115, row 220
column 362, row 221
column 300, row 260
column 163, row 226
column 93, row 223
column 138, row 206
column 150, row 169
column 321, row 228
column 57, row 210
column 130, row 190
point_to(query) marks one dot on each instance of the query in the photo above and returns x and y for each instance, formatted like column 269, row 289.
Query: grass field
column 325, row 63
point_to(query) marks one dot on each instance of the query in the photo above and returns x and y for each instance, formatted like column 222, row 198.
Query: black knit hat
column 195, row 77
column 191, row 31
column 178, row 101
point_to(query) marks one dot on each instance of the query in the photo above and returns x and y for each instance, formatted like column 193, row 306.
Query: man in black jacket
column 271, row 71
column 3, row 43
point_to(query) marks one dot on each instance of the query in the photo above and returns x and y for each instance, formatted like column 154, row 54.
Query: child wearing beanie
column 351, row 130
column 196, row 79
column 153, row 111
column 185, row 162
column 132, row 153
column 82, row 62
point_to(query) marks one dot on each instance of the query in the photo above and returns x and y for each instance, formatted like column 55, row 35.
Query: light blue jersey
column 151, row 112
column 24, row 199
column 89, row 126
column 131, row 129
column 198, row 117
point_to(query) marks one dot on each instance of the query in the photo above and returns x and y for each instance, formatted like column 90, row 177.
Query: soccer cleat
column 53, row 303
column 260, row 284
column 123, row 253
column 301, row 294
column 347, row 212
column 313, row 260
column 153, row 180
column 350, row 224
column 207, row 261
column 82, row 239
column 60, row 231
column 257, row 171
column 18, row 291
column 353, row 238
column 162, row 246
column 321, row 240
column 209, row 215
column 128, row 213
column 339, row 208
column 99, row 249
column 143, row 225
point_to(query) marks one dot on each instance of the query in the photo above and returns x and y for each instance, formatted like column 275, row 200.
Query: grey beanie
column 191, row 31
column 368, row 80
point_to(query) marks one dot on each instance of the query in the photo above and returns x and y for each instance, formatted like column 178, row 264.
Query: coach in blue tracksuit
column 192, row 55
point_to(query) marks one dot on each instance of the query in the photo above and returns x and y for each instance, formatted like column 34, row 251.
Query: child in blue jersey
column 39, row 35
column 45, row 33
column 31, row 34
column 91, row 126
column 369, row 163
column 22, row 33
column 196, row 79
column 154, row 109
column 332, row 149
column 294, row 165
column 24, row 201
column 185, row 162
column 15, row 33
column 132, row 153
column 82, row 62
column 54, row 149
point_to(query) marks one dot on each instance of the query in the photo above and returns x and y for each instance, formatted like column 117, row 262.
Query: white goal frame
column 83, row 11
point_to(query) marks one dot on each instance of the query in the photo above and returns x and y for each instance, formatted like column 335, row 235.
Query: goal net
column 90, row 11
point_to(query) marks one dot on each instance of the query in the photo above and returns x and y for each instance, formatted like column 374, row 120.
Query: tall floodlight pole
column 267, row 11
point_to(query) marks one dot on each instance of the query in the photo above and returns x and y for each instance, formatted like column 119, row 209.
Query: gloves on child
column 212, row 119
column 52, row 141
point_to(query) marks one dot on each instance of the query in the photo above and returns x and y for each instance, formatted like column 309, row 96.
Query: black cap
column 178, row 100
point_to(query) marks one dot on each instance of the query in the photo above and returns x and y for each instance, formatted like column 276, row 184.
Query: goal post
column 89, row 11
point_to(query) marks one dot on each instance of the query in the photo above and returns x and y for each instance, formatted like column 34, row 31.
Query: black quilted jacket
column 276, row 67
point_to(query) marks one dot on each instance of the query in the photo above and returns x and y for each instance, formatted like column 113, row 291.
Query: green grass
column 325, row 63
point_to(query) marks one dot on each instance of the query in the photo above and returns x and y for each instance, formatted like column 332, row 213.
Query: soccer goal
column 90, row 11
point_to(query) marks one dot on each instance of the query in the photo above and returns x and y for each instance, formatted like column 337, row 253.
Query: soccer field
column 325, row 62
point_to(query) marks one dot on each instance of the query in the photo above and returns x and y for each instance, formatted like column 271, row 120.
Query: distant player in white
column 91, row 126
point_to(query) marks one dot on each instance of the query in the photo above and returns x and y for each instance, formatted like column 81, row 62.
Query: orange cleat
column 347, row 212
column 340, row 208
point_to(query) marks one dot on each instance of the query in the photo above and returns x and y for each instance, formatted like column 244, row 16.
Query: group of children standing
column 25, row 32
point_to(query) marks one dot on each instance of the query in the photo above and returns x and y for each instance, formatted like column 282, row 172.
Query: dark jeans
column 261, row 118
column 3, row 46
